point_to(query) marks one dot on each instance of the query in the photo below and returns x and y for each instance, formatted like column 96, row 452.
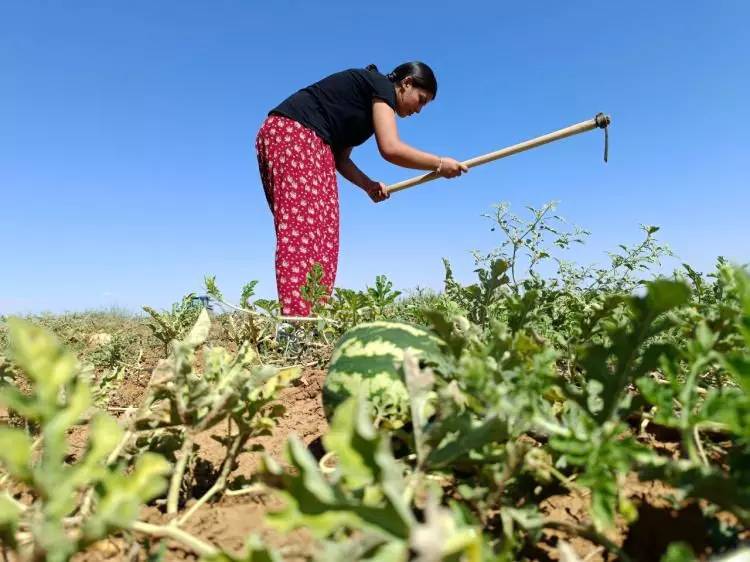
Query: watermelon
column 369, row 358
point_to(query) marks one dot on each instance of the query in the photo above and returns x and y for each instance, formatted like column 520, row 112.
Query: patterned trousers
column 298, row 172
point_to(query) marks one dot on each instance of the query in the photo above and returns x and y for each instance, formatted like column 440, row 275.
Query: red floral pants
column 298, row 172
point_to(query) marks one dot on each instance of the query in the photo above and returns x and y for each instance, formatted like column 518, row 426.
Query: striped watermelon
column 370, row 357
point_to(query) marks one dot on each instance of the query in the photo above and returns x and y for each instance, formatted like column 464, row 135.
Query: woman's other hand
column 377, row 191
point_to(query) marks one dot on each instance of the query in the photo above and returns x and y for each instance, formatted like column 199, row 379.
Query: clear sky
column 127, row 168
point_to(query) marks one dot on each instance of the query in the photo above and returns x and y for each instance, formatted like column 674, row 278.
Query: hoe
column 600, row 121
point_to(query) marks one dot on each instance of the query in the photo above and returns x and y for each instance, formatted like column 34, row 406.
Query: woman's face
column 410, row 99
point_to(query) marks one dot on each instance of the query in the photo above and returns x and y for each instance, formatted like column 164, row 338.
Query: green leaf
column 354, row 442
column 323, row 508
column 678, row 552
column 313, row 482
column 467, row 435
column 65, row 417
column 496, row 278
column 660, row 395
column 15, row 453
column 454, row 340
column 248, row 290
column 211, row 288
column 664, row 295
column 310, row 500
column 9, row 518
column 603, row 500
column 43, row 360
column 121, row 496
column 105, row 434
column 22, row 404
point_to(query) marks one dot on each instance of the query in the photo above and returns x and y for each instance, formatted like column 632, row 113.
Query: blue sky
column 127, row 169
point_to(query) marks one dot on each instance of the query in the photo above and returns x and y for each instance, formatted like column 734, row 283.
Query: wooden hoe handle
column 601, row 121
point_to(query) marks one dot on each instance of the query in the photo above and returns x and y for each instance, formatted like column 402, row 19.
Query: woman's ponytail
column 421, row 75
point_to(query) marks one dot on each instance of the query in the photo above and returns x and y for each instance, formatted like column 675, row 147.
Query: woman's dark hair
column 421, row 75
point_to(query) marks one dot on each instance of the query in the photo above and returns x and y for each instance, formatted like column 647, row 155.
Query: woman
column 309, row 136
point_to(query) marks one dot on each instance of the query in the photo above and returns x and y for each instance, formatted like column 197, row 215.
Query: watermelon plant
column 172, row 325
column 52, row 527
column 368, row 494
column 77, row 500
column 181, row 403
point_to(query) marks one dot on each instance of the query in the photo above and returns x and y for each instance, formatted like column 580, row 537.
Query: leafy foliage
column 367, row 493
column 59, row 397
column 169, row 326
column 541, row 378
column 80, row 500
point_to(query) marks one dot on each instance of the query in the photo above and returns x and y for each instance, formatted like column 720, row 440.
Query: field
column 589, row 413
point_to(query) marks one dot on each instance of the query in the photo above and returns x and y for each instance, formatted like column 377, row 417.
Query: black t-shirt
column 339, row 107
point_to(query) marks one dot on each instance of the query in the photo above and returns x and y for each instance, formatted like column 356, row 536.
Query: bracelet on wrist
column 440, row 166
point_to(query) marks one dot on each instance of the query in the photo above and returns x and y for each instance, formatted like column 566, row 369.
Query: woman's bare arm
column 393, row 149
column 349, row 169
